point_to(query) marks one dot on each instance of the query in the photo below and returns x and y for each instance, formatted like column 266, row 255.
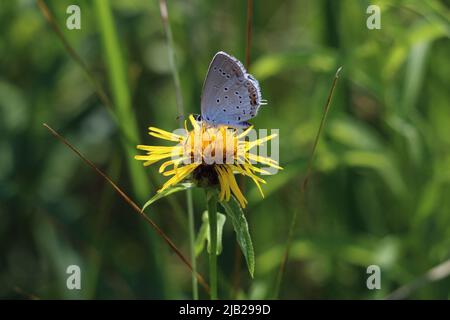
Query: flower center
column 211, row 146
column 205, row 176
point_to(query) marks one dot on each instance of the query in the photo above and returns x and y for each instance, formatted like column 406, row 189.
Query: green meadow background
column 380, row 184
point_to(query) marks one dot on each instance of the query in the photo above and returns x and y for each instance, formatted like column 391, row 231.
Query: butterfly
column 230, row 95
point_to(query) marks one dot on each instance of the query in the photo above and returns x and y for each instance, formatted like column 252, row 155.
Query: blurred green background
column 381, row 177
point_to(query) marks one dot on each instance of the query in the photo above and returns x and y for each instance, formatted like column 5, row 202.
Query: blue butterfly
column 230, row 95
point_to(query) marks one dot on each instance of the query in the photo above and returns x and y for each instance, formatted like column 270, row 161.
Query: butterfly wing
column 230, row 95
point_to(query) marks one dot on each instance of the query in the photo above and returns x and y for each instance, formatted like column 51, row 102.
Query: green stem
column 164, row 11
column 211, row 198
column 191, row 243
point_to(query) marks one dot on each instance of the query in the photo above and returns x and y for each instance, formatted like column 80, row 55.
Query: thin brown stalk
column 303, row 188
column 27, row 295
column 131, row 203
column 249, row 33
column 319, row 132
column 180, row 109
column 439, row 272
column 242, row 180
column 51, row 21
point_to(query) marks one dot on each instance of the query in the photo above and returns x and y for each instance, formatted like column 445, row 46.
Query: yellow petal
column 165, row 133
column 246, row 170
column 194, row 123
column 243, row 134
column 234, row 187
column 165, row 137
column 170, row 162
column 179, row 176
column 159, row 149
column 226, row 189
column 223, row 184
column 264, row 160
column 153, row 157
column 260, row 141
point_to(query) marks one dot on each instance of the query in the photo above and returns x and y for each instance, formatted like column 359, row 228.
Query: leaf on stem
column 240, row 225
column 205, row 235
column 168, row 191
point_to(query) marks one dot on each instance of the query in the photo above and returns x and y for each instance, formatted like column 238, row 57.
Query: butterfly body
column 230, row 96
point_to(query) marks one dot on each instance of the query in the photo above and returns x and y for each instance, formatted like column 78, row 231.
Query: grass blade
column 121, row 96
column 180, row 109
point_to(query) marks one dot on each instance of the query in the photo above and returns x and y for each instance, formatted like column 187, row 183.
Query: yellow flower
column 211, row 154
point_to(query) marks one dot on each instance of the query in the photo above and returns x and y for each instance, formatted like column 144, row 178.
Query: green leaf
column 119, row 88
column 354, row 134
column 272, row 64
column 202, row 235
column 205, row 235
column 168, row 191
column 240, row 226
column 382, row 163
